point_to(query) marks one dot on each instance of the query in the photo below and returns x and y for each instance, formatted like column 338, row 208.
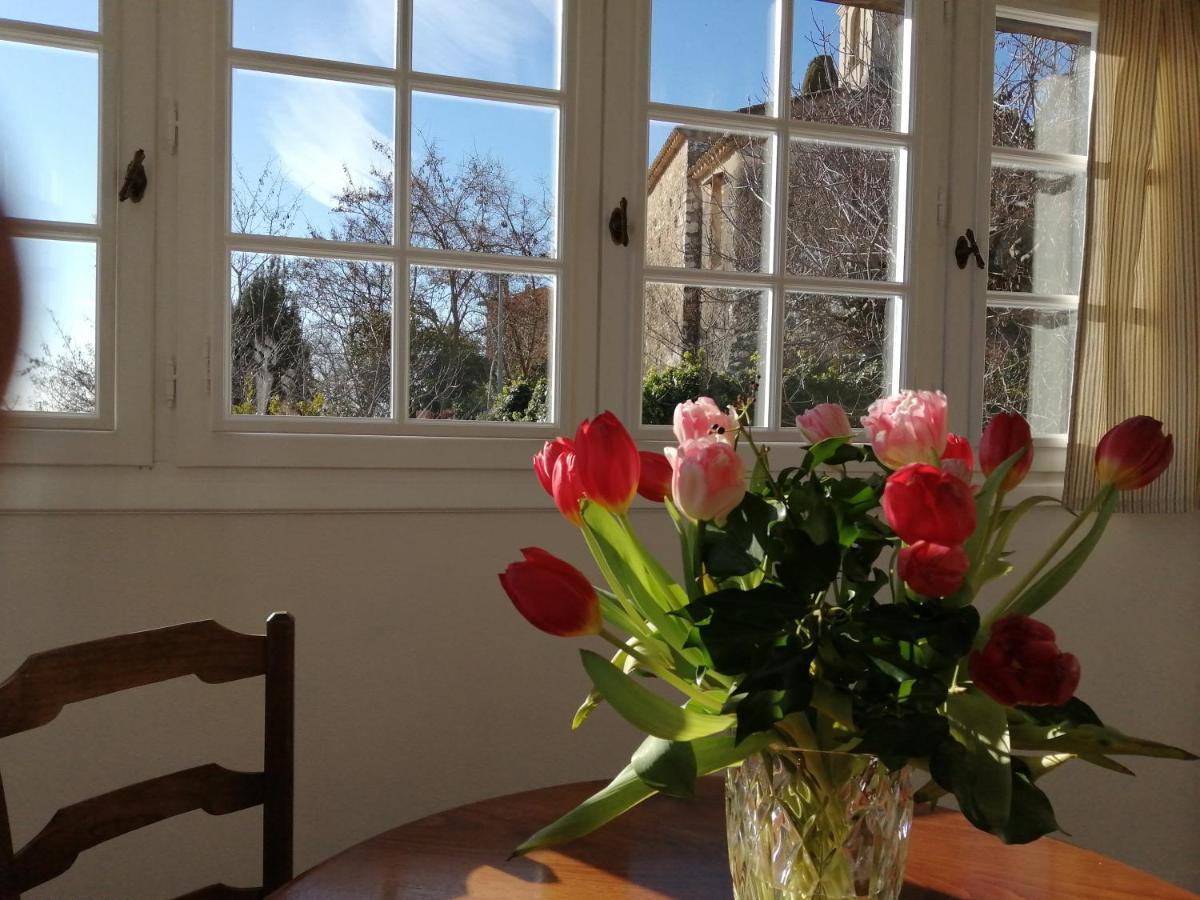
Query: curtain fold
column 1139, row 316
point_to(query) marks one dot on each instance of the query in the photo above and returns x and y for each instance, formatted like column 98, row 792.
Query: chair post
column 278, row 751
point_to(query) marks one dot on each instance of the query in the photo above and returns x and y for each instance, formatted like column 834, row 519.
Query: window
column 385, row 239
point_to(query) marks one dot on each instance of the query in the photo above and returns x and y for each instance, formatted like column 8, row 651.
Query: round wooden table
column 676, row 848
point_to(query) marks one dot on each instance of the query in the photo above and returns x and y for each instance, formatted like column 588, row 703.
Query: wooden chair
column 46, row 682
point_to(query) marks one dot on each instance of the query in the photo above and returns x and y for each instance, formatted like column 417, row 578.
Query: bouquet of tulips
column 830, row 605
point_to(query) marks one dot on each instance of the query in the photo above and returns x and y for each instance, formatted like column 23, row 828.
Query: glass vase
column 804, row 824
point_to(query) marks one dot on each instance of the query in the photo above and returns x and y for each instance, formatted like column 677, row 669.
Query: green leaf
column 985, row 500
column 667, row 766
column 1045, row 588
column 1091, row 740
column 645, row 709
column 1031, row 815
column 982, row 774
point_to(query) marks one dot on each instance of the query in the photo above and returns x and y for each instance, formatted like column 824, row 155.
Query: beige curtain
column 1139, row 317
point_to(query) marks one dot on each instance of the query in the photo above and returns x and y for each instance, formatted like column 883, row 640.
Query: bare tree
column 63, row 377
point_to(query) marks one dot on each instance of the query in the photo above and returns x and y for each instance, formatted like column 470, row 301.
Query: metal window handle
column 618, row 223
column 134, row 187
column 965, row 247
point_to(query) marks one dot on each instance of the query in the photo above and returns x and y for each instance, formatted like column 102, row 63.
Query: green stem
column 626, row 603
column 1047, row 557
column 665, row 674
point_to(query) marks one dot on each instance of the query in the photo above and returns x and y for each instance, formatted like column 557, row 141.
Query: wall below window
column 419, row 688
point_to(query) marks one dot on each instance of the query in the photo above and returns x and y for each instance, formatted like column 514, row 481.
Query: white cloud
column 482, row 40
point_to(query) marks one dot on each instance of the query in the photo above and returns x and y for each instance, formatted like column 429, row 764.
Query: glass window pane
column 484, row 175
column 312, row 158
column 310, row 337
column 1029, row 364
column 708, row 199
column 842, row 208
column 1036, row 242
column 835, row 350
column 700, row 341
column 513, row 41
column 357, row 31
column 56, row 361
column 49, row 142
column 714, row 54
column 847, row 63
column 1041, row 88
column 479, row 345
column 81, row 14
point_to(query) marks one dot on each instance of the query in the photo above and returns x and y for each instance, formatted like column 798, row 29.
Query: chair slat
column 78, row 827
column 36, row 693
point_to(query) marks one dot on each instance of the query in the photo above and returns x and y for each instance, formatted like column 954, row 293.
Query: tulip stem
column 665, row 674
column 1047, row 557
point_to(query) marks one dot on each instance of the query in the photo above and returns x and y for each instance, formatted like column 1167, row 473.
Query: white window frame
column 207, row 433
column 121, row 431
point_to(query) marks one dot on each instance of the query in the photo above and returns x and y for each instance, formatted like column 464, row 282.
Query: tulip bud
column 957, row 458
column 702, row 418
column 543, row 462
column 552, row 594
column 655, row 481
column 1005, row 434
column 1133, row 454
column 822, row 422
column 907, row 427
column 708, row 478
column 1021, row 664
column 934, row 570
column 607, row 466
column 923, row 503
column 565, row 488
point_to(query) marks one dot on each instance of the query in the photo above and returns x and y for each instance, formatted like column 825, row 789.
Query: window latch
column 134, row 187
column 965, row 247
column 618, row 224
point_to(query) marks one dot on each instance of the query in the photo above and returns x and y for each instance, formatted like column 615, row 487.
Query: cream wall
column 419, row 688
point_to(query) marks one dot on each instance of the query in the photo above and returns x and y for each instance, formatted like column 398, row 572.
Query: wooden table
column 674, row 848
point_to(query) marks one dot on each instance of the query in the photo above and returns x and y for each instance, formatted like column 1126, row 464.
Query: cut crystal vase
column 808, row 824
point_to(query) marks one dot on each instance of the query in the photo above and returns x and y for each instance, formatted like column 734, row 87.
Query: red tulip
column 934, row 570
column 552, row 594
column 924, row 503
column 957, row 458
column 543, row 463
column 1021, row 664
column 607, row 465
column 655, row 481
column 555, row 469
column 1133, row 454
column 1005, row 435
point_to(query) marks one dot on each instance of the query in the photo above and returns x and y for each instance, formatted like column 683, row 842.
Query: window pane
column 1029, row 364
column 49, row 143
column 1041, row 89
column 847, row 61
column 484, row 175
column 1036, row 242
column 82, row 14
column 699, row 341
column 479, row 345
column 708, row 199
column 312, row 158
column 358, row 31
column 842, row 211
column 56, row 362
column 310, row 337
column 835, row 350
column 513, row 41
column 713, row 54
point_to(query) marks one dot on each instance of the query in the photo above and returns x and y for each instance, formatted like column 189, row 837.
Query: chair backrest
column 47, row 681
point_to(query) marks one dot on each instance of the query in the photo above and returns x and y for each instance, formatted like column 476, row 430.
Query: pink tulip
column 907, row 427
column 703, row 418
column 1133, row 454
column 822, row 422
column 957, row 458
column 934, row 570
column 552, row 594
column 708, row 478
column 607, row 466
column 923, row 503
column 655, row 481
column 1005, row 434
